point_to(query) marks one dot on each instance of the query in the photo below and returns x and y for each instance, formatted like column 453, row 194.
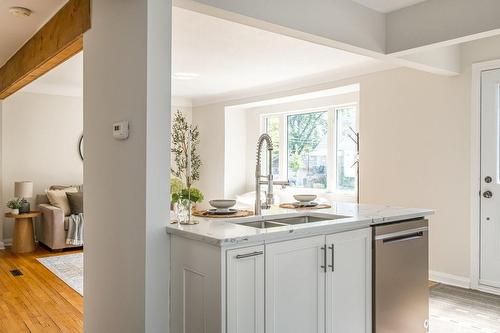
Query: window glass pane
column 347, row 154
column 273, row 129
column 307, row 149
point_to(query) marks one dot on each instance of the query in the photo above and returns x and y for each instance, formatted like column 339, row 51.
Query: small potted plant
column 184, row 200
column 193, row 194
column 14, row 205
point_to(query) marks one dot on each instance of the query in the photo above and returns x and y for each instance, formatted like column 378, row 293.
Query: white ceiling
column 231, row 58
column 66, row 79
column 232, row 61
column 386, row 6
column 15, row 31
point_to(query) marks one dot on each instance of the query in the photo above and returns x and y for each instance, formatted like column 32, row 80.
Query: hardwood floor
column 37, row 301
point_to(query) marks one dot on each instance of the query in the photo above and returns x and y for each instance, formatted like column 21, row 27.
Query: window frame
column 331, row 160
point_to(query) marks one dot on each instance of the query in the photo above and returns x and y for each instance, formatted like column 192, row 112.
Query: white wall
column 127, row 77
column 211, row 123
column 236, row 161
column 40, row 135
column 414, row 153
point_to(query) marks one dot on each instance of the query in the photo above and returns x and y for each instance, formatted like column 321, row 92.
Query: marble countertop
column 226, row 232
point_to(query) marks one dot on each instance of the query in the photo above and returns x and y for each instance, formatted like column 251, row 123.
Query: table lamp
column 24, row 190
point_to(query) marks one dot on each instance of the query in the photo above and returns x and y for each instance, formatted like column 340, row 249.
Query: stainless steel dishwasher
column 401, row 277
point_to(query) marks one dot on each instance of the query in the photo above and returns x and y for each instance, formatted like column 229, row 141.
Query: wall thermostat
column 120, row 130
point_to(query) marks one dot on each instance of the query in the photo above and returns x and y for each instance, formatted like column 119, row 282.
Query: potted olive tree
column 186, row 168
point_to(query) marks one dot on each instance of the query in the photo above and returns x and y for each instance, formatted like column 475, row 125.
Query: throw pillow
column 75, row 202
column 59, row 199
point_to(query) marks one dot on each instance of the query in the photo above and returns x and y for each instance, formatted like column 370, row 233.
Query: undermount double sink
column 280, row 222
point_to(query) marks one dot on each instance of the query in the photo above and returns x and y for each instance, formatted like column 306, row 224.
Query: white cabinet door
column 295, row 286
column 348, row 282
column 245, row 290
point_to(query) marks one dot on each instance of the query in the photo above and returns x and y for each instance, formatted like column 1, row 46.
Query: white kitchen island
column 302, row 278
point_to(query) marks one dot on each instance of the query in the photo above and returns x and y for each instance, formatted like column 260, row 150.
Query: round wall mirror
column 80, row 146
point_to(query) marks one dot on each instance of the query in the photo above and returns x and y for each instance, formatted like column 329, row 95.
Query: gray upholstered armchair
column 52, row 227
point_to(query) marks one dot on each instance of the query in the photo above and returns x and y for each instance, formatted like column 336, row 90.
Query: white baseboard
column 489, row 290
column 450, row 279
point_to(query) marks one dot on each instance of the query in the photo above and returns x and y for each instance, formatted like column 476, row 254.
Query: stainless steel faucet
column 261, row 179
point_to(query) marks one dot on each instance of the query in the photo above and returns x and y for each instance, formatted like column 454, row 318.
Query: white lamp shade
column 23, row 189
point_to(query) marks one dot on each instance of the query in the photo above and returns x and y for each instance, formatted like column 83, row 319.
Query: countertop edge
column 296, row 231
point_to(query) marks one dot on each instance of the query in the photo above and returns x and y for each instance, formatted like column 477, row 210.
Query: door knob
column 487, row 194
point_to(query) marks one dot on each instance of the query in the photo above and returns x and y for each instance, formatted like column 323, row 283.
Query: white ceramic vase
column 14, row 211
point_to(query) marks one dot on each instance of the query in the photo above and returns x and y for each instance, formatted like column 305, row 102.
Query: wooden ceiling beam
column 57, row 41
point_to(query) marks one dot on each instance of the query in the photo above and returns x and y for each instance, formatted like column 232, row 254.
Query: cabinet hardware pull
column 333, row 257
column 252, row 254
column 323, row 248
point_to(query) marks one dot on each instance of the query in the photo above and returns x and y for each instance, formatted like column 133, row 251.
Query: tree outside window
column 307, row 149
column 313, row 157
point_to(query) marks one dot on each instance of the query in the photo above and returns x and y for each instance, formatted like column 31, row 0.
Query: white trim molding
column 489, row 290
column 6, row 242
column 475, row 168
column 450, row 279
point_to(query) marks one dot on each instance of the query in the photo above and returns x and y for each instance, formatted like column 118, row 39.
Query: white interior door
column 490, row 179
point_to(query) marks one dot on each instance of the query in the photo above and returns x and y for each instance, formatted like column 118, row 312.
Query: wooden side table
column 23, row 240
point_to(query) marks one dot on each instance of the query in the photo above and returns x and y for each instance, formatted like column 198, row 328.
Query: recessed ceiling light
column 185, row 76
column 20, row 11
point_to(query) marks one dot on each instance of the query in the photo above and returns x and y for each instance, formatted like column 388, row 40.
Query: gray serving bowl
column 305, row 197
column 222, row 203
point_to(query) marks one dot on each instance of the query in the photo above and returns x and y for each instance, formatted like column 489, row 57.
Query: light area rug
column 68, row 267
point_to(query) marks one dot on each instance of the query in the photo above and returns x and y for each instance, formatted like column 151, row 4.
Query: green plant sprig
column 192, row 194
column 15, row 203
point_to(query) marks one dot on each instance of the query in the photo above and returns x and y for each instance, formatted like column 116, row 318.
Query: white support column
column 126, row 182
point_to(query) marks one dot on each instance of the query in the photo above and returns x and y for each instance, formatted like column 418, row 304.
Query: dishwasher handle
column 402, row 236
column 408, row 237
